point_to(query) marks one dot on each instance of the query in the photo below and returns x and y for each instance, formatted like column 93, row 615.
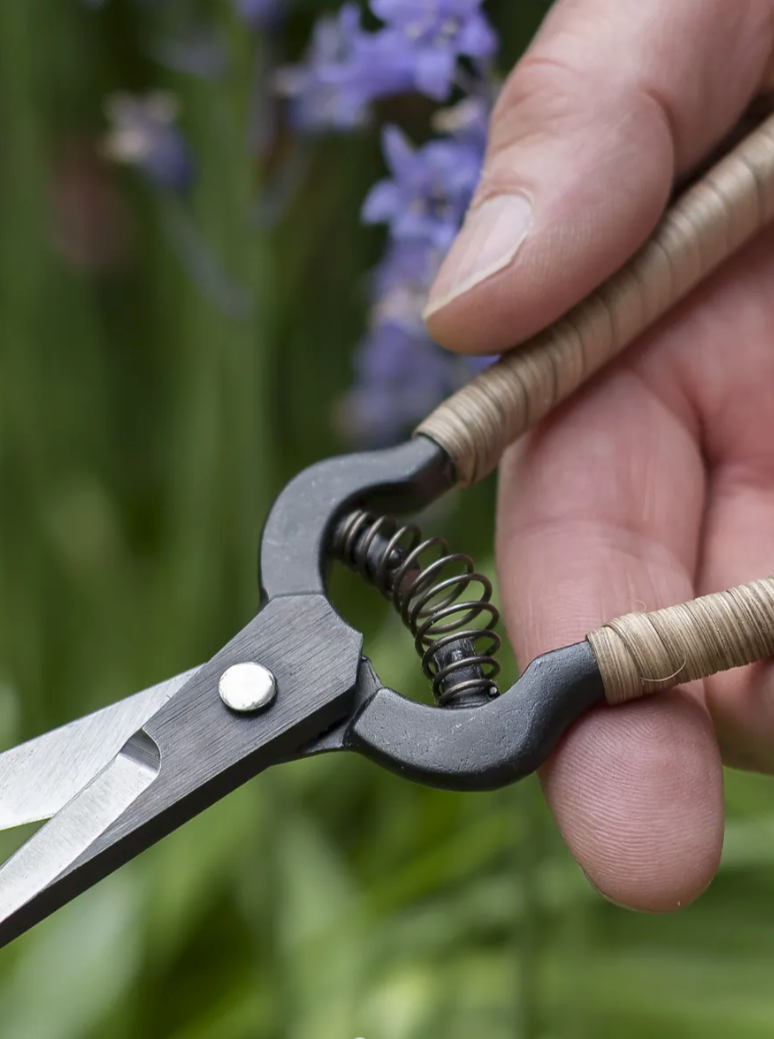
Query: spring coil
column 430, row 587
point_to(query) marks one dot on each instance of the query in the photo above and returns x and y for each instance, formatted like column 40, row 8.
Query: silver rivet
column 247, row 687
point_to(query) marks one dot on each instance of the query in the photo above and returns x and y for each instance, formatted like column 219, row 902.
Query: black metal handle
column 485, row 747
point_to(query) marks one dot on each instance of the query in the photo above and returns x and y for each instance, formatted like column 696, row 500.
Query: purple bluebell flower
column 344, row 70
column 260, row 14
column 467, row 122
column 429, row 191
column 400, row 376
column 411, row 263
column 143, row 134
column 436, row 33
column 400, row 373
column 347, row 68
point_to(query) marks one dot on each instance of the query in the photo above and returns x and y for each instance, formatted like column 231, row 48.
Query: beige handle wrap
column 710, row 221
column 645, row 653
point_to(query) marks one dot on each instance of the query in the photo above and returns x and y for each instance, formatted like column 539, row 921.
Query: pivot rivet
column 247, row 687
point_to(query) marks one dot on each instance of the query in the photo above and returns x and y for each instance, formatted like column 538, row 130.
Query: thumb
column 614, row 99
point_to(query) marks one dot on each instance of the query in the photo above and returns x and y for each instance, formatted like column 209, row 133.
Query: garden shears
column 295, row 682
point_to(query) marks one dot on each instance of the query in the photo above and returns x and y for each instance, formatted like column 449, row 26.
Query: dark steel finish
column 481, row 748
column 207, row 750
column 471, row 748
column 195, row 749
column 295, row 537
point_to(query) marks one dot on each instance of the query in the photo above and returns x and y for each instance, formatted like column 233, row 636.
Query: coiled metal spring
column 431, row 589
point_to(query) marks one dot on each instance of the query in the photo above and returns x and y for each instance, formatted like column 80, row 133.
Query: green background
column 147, row 418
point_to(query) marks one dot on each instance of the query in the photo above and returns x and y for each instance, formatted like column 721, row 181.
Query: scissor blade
column 202, row 750
column 58, row 844
column 40, row 777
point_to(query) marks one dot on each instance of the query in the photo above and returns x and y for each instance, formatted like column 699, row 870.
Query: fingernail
column 489, row 240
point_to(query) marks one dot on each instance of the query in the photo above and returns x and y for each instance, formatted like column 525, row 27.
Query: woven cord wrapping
column 645, row 653
column 707, row 225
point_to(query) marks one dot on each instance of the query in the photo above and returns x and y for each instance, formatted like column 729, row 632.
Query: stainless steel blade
column 193, row 751
column 40, row 777
column 58, row 844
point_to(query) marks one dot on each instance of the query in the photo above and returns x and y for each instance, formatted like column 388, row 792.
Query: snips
column 295, row 682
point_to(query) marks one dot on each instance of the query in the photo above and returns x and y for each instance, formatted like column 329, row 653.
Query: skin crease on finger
column 675, row 497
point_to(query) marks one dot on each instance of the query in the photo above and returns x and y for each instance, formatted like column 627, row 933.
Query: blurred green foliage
column 143, row 434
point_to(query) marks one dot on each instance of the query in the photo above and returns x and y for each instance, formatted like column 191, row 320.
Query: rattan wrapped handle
column 714, row 217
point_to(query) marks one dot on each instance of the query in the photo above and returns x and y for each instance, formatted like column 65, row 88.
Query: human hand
column 655, row 484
